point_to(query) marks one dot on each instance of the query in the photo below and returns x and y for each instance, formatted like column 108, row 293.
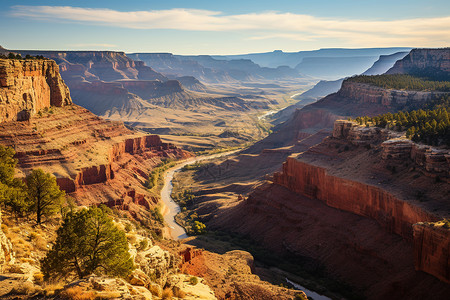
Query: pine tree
column 43, row 194
column 88, row 242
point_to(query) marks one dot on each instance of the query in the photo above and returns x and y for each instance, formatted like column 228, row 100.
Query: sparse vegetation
column 155, row 176
column 403, row 82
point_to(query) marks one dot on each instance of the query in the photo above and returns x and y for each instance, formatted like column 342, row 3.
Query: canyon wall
column 390, row 98
column 104, row 172
column 99, row 65
column 429, row 62
column 432, row 249
column 26, row 86
column 394, row 214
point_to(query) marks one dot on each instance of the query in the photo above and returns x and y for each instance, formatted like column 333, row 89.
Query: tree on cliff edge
column 88, row 242
column 44, row 194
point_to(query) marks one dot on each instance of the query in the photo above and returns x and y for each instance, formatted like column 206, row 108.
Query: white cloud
column 264, row 25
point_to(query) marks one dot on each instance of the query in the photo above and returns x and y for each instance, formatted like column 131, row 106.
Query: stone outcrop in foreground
column 27, row 86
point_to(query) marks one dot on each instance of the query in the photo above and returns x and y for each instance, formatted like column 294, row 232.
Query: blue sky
column 222, row 27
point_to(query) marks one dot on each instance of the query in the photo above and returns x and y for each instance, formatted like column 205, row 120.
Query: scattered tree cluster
column 430, row 126
column 18, row 56
column 154, row 175
column 403, row 82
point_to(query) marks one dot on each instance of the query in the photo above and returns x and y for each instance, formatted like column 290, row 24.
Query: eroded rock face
column 27, row 86
column 396, row 149
column 362, row 93
column 362, row 199
column 6, row 252
column 157, row 263
column 431, row 250
column 434, row 62
column 99, row 65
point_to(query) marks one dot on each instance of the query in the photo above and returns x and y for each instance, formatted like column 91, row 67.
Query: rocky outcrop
column 434, row 63
column 396, row 149
column 6, row 252
column 391, row 99
column 27, row 86
column 432, row 249
column 231, row 275
column 395, row 214
column 157, row 263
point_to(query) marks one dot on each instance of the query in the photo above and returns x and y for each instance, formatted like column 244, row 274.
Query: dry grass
column 38, row 278
column 108, row 295
column 77, row 293
column 177, row 292
column 167, row 294
column 155, row 290
column 25, row 288
column 51, row 287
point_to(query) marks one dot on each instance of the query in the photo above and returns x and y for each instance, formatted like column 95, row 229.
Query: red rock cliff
column 30, row 85
column 394, row 214
column 432, row 250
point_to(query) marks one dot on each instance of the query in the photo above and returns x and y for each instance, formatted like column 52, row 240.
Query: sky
column 222, row 27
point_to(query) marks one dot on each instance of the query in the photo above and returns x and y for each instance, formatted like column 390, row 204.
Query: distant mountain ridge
column 384, row 63
column 280, row 58
column 212, row 70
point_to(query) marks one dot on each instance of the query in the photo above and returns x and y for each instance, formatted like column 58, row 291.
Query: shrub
column 77, row 293
column 193, row 280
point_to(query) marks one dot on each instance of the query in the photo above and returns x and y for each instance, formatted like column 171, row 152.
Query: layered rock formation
column 98, row 65
column 393, row 213
column 434, row 63
column 389, row 98
column 27, row 86
column 352, row 201
column 433, row 162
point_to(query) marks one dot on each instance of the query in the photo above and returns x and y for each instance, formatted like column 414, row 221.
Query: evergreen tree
column 43, row 194
column 88, row 242
column 12, row 190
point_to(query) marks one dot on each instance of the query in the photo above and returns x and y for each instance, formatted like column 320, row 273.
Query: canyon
column 97, row 161
column 360, row 204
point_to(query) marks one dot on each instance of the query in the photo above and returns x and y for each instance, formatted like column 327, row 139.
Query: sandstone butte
column 94, row 160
